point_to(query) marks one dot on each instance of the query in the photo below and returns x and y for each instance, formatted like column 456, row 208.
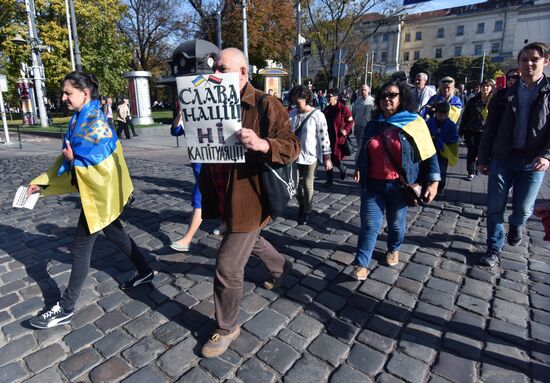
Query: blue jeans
column 377, row 197
column 503, row 174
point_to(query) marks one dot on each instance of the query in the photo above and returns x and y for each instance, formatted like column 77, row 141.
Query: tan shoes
column 360, row 273
column 217, row 344
column 392, row 258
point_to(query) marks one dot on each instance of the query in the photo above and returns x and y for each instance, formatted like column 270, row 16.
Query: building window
column 460, row 30
column 480, row 27
column 495, row 47
column 498, row 25
column 458, row 51
column 407, row 37
column 384, row 56
column 405, row 56
column 418, row 36
column 440, row 33
column 478, row 49
column 385, row 37
column 416, row 55
column 438, row 53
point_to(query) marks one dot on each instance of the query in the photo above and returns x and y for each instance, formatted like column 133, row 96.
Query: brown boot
column 218, row 344
column 392, row 258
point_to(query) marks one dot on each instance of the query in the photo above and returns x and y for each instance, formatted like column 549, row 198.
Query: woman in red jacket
column 340, row 124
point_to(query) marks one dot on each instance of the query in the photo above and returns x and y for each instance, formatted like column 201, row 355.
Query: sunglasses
column 513, row 77
column 388, row 95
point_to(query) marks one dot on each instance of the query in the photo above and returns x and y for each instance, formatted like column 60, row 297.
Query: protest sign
column 211, row 115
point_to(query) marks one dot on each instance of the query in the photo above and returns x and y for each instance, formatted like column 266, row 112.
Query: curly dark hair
column 406, row 99
column 83, row 80
column 300, row 91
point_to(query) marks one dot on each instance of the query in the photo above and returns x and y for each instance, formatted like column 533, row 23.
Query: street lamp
column 37, row 67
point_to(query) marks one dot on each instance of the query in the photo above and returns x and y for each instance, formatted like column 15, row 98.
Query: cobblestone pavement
column 436, row 317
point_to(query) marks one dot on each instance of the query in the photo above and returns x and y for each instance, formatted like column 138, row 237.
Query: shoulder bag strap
column 298, row 132
column 399, row 168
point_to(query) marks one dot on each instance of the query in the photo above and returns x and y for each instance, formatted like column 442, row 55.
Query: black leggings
column 81, row 251
column 472, row 140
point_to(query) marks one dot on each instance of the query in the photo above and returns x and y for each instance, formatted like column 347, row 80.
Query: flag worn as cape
column 416, row 127
column 445, row 138
column 102, row 176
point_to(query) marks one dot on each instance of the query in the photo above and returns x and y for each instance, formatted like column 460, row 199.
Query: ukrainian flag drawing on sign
column 102, row 176
column 198, row 80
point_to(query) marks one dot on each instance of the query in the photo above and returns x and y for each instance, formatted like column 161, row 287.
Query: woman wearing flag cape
column 92, row 164
column 396, row 142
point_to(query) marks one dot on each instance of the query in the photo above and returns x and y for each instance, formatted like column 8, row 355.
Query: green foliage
column 426, row 65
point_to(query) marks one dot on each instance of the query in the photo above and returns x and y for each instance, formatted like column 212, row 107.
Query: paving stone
column 463, row 345
column 82, row 337
column 510, row 312
column 385, row 274
column 110, row 371
column 511, row 295
column 86, row 315
column 12, row 372
column 278, row 355
column 483, row 275
column 494, row 372
column 306, row 326
column 425, row 259
column 538, row 316
column 347, row 374
column 329, row 349
column 455, row 368
column 308, row 369
column 354, row 316
column 314, row 282
column 8, row 300
column 443, row 285
column 171, row 333
column 470, row 303
column 437, row 298
column 366, row 359
column 402, row 297
column 113, row 300
column 143, row 352
column 384, row 326
column 17, row 348
column 80, row 363
column 344, row 331
column 417, row 272
column 28, row 306
column 142, row 325
column 112, row 343
column 344, row 285
column 196, row 375
column 541, row 288
column 253, row 303
column 507, row 353
column 179, row 358
column 111, row 320
column 266, row 324
column 409, row 285
column 319, row 312
column 448, row 275
column 286, row 307
column 45, row 358
column 540, row 331
column 362, row 302
column 468, row 323
column 331, row 300
column 294, row 340
column 221, row 366
column 374, row 288
column 407, row 368
column 254, row 371
column 418, row 344
column 540, row 302
column 186, row 299
column 508, row 331
column 301, row 294
column 50, row 376
column 377, row 341
column 245, row 344
column 148, row 374
column 201, row 290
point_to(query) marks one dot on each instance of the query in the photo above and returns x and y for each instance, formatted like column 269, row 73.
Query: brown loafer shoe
column 272, row 282
column 218, row 344
column 360, row 273
column 392, row 258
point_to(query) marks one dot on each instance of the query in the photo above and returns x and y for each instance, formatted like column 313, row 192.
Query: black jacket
column 502, row 120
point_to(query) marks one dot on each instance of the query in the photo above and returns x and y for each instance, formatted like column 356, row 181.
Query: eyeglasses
column 391, row 96
column 513, row 77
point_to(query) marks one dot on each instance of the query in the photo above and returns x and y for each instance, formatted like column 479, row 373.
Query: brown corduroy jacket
column 244, row 207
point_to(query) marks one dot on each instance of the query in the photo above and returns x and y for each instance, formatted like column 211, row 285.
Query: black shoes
column 138, row 279
column 343, row 174
column 514, row 235
column 272, row 282
column 490, row 258
column 55, row 316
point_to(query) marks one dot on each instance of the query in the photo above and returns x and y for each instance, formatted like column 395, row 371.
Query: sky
column 441, row 4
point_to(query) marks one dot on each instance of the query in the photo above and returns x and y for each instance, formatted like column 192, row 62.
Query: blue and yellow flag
column 102, row 175
column 416, row 127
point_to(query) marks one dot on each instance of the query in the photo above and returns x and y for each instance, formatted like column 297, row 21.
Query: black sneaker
column 490, row 258
column 272, row 282
column 303, row 219
column 343, row 174
column 55, row 316
column 138, row 279
column 514, row 235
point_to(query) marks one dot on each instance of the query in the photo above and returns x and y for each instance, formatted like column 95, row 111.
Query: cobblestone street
column 438, row 316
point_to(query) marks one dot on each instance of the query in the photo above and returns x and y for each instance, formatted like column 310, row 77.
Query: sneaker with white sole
column 219, row 230
column 55, row 316
column 138, row 279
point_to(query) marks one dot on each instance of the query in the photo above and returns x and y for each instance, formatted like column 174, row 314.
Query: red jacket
column 343, row 120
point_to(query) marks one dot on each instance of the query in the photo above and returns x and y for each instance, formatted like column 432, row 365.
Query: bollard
column 19, row 135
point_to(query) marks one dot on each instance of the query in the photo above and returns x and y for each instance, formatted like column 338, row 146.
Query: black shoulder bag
column 411, row 192
column 278, row 181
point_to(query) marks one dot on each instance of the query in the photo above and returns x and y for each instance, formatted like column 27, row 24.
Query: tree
column 426, row 65
column 149, row 25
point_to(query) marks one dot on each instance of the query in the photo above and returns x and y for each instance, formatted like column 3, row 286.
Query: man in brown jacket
column 233, row 192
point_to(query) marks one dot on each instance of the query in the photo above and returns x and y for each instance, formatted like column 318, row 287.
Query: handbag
column 411, row 192
column 278, row 181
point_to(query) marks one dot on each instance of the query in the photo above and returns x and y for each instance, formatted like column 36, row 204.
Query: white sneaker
column 219, row 230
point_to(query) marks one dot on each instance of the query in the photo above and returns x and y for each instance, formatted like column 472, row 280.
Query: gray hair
column 423, row 75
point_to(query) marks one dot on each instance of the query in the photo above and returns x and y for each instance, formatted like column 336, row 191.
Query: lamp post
column 37, row 67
